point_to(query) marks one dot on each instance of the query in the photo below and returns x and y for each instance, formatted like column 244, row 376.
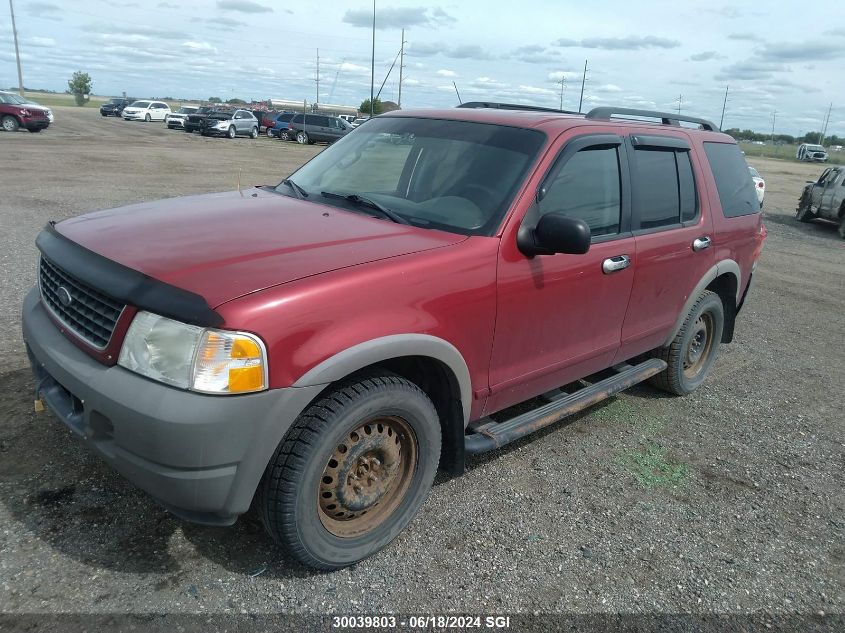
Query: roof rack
column 512, row 106
column 666, row 118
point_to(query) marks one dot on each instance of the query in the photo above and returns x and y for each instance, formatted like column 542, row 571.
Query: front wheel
column 302, row 138
column 351, row 472
column 693, row 350
column 10, row 123
column 842, row 225
column 804, row 212
column 269, row 132
column 232, row 131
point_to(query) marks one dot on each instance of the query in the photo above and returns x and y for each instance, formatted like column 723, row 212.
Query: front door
column 832, row 185
column 559, row 316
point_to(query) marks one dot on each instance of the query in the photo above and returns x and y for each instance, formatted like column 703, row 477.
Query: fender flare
column 376, row 350
column 726, row 266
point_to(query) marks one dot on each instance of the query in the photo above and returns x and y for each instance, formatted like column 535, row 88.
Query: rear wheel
column 352, row 471
column 10, row 123
column 232, row 131
column 693, row 350
column 269, row 132
column 148, row 118
column 842, row 224
column 254, row 133
column 302, row 138
column 284, row 135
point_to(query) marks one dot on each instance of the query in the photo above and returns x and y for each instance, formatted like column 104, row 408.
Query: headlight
column 222, row 124
column 191, row 357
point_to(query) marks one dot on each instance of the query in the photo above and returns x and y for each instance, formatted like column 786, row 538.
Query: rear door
column 818, row 190
column 673, row 232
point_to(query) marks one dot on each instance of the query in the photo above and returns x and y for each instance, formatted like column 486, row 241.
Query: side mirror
column 555, row 233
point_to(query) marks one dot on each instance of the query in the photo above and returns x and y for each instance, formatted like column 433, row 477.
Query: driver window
column 587, row 187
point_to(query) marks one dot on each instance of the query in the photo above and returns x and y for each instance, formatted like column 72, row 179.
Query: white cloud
column 447, row 73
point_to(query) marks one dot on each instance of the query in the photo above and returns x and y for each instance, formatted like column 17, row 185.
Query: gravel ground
column 729, row 500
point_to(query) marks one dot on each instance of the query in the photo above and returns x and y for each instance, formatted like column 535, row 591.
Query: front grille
column 89, row 314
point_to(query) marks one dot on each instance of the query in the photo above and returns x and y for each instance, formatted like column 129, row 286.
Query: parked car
column 359, row 121
column 146, row 111
column 280, row 126
column 810, row 152
column 349, row 118
column 309, row 128
column 193, row 121
column 824, row 198
column 759, row 184
column 231, row 124
column 115, row 106
column 16, row 112
column 316, row 349
column 177, row 119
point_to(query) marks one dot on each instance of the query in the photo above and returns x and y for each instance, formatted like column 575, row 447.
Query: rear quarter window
column 733, row 180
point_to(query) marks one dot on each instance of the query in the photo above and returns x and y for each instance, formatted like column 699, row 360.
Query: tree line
column 788, row 139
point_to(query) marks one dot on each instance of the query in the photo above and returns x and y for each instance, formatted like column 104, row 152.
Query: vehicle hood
column 223, row 246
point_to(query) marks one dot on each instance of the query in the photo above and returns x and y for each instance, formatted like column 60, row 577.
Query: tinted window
column 656, row 195
column 736, row 189
column 587, row 187
column 686, row 181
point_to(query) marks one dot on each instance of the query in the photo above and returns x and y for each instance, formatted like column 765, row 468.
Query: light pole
column 17, row 51
column 373, row 62
column 562, row 84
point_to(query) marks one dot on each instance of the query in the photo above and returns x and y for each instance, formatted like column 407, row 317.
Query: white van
column 809, row 152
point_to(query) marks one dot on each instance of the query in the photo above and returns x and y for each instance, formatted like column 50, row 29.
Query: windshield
column 220, row 115
column 815, row 148
column 115, row 101
column 452, row 175
column 140, row 104
column 11, row 98
column 187, row 110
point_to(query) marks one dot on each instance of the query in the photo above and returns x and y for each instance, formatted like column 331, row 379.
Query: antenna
column 724, row 105
column 387, row 75
column 457, row 93
column 583, row 81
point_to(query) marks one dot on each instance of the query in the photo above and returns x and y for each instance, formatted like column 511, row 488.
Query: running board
column 492, row 435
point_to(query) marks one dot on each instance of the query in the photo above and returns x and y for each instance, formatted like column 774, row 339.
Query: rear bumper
column 199, row 456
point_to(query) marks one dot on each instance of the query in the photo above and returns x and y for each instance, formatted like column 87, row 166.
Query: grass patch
column 652, row 467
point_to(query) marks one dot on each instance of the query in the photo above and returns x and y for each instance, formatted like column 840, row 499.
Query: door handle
column 613, row 264
column 699, row 244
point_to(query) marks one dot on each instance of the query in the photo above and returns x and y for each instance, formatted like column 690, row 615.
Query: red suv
column 16, row 112
column 321, row 347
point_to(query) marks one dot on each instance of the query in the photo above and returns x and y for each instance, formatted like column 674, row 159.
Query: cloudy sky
column 774, row 54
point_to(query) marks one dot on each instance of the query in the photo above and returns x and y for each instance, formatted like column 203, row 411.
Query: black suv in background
column 317, row 127
column 193, row 122
column 114, row 107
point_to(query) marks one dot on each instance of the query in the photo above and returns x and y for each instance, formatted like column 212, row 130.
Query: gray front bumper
column 200, row 456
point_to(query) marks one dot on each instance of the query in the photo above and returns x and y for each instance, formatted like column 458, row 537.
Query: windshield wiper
column 299, row 191
column 361, row 201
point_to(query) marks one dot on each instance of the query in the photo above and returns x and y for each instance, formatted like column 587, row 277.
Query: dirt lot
column 729, row 500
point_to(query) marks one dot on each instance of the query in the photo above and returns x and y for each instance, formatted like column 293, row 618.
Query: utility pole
column 562, row 84
column 318, row 76
column 401, row 67
column 680, row 101
column 373, row 63
column 826, row 122
column 17, row 51
column 774, row 118
column 724, row 105
column 583, row 81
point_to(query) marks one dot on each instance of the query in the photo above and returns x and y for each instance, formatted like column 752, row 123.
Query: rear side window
column 664, row 187
column 733, row 181
column 587, row 187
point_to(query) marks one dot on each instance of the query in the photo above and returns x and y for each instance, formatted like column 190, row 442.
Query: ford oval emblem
column 64, row 296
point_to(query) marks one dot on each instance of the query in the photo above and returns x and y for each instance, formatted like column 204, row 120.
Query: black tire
column 707, row 312
column 232, row 132
column 254, row 133
column 842, row 225
column 269, row 132
column 302, row 138
column 804, row 213
column 293, row 491
column 284, row 135
column 10, row 123
column 148, row 118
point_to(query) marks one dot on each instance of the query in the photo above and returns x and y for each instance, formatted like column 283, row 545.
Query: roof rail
column 511, row 106
column 665, row 117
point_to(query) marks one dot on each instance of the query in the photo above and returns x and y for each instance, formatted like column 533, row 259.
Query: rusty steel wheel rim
column 698, row 349
column 367, row 476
